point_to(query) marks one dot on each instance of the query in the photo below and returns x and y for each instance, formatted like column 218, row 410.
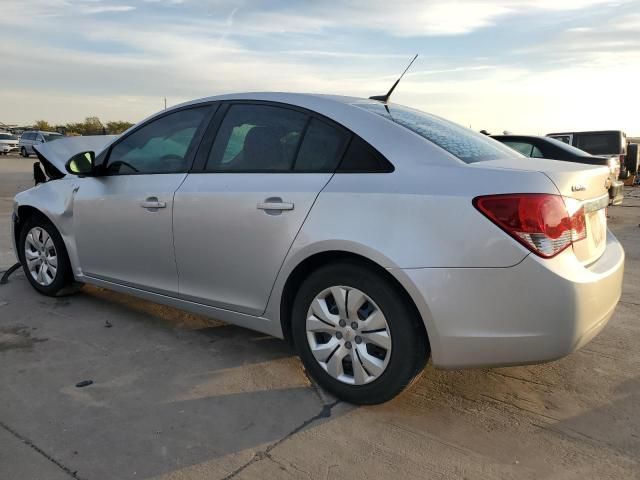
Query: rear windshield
column 599, row 143
column 461, row 142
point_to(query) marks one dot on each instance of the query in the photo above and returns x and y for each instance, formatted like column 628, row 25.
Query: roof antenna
column 385, row 98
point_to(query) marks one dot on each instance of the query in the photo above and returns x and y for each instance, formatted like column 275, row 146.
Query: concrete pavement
column 179, row 396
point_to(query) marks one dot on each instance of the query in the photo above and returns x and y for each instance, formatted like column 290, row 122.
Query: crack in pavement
column 29, row 443
column 629, row 303
column 266, row 453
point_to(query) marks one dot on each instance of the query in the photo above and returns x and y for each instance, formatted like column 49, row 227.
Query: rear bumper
column 616, row 192
column 533, row 312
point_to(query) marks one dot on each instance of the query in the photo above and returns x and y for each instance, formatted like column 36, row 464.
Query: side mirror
column 81, row 164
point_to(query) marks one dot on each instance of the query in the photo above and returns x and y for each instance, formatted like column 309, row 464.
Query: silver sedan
column 372, row 236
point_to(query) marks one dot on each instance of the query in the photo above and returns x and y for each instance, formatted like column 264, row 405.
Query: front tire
column 23, row 152
column 44, row 257
column 356, row 334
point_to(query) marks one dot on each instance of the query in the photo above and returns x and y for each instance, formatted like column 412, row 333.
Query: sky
column 525, row 66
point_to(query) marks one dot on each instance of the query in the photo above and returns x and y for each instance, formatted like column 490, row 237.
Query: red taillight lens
column 541, row 222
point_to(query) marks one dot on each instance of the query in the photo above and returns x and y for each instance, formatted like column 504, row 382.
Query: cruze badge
column 578, row 188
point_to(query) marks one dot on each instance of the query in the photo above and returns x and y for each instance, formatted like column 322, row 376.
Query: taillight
column 545, row 224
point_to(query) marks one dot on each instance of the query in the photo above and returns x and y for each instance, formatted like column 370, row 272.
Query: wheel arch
column 24, row 212
column 312, row 262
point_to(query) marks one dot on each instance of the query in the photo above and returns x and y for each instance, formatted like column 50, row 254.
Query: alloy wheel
column 41, row 256
column 348, row 335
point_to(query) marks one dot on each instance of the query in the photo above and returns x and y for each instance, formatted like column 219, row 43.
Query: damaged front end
column 54, row 155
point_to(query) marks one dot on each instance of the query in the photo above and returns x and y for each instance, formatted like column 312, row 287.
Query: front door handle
column 153, row 202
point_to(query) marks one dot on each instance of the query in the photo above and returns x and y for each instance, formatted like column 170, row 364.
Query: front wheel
column 44, row 257
column 23, row 152
column 356, row 334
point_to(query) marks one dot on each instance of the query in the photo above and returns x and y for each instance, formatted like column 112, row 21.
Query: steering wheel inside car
column 119, row 163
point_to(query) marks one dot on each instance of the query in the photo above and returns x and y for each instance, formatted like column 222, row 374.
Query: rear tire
column 44, row 257
column 372, row 325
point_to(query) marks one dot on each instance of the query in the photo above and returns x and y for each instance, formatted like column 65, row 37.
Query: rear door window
column 257, row 138
column 321, row 148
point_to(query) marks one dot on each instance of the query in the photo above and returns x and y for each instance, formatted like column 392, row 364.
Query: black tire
column 23, row 152
column 63, row 280
column 409, row 347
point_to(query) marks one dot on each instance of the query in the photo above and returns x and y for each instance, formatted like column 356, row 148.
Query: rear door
column 235, row 219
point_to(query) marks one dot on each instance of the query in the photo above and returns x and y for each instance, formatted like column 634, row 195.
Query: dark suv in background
column 602, row 143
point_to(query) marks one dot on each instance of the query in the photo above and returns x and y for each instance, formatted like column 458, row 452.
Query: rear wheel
column 356, row 335
column 44, row 257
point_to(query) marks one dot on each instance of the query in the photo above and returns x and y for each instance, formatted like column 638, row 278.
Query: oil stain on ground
column 15, row 337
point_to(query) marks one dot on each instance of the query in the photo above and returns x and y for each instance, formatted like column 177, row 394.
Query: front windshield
column 7, row 136
column 461, row 142
column 51, row 136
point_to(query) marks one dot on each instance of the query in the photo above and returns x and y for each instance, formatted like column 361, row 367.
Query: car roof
column 312, row 101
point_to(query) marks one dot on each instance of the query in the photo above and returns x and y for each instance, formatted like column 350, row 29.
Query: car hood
column 55, row 154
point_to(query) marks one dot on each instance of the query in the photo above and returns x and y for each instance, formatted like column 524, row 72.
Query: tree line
column 90, row 126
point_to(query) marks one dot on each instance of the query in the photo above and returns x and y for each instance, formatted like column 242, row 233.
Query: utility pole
column 165, row 103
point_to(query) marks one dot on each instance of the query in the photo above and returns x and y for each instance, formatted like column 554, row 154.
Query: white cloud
column 92, row 10
column 212, row 49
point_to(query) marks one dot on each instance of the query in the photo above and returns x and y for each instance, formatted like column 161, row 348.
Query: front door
column 123, row 218
column 235, row 221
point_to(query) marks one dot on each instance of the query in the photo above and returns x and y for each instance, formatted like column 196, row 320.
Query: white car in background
column 8, row 143
column 371, row 235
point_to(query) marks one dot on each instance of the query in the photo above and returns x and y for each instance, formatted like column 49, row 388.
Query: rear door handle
column 153, row 202
column 271, row 205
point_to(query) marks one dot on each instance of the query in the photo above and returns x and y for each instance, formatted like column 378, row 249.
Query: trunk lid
column 582, row 186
